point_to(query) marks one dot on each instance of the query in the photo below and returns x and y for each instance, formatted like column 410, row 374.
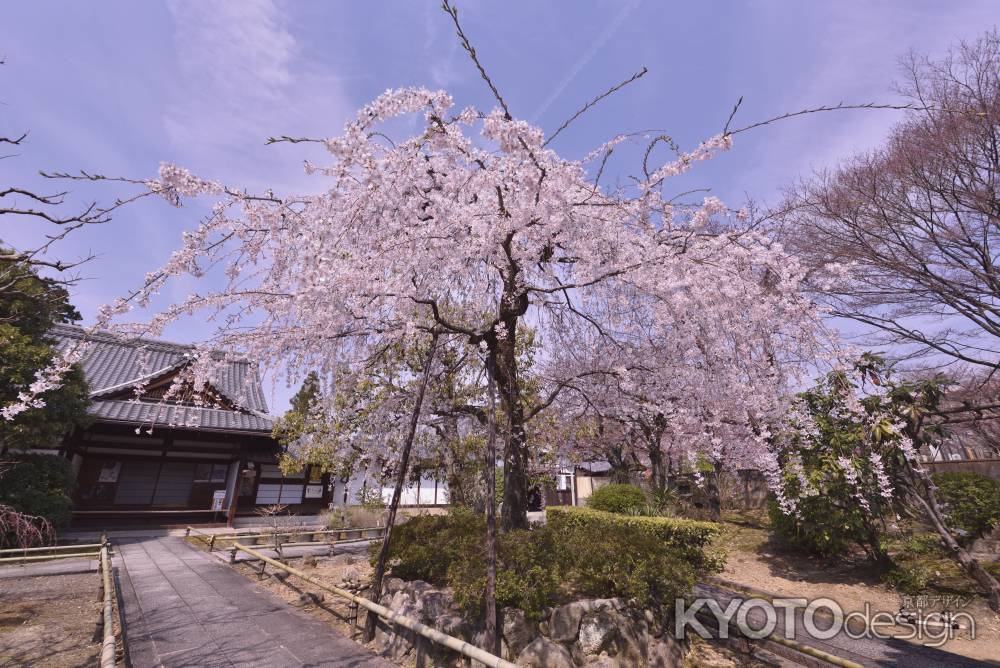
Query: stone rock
column 631, row 642
column 394, row 643
column 309, row 561
column 392, row 585
column 453, row 624
column 596, row 631
column 433, row 604
column 604, row 661
column 565, row 621
column 518, row 631
column 667, row 652
column 542, row 653
column 342, row 559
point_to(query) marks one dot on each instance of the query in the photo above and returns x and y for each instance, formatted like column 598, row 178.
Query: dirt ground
column 333, row 609
column 753, row 560
column 49, row 621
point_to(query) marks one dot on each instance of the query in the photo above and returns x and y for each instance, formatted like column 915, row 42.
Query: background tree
column 864, row 445
column 904, row 238
column 35, row 489
column 31, row 306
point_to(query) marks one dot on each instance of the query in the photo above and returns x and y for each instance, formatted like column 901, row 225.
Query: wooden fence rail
column 19, row 550
column 25, row 554
column 211, row 538
column 432, row 634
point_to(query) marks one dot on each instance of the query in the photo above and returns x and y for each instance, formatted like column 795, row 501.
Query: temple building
column 203, row 455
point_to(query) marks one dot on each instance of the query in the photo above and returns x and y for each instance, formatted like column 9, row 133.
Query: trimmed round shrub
column 621, row 499
column 971, row 500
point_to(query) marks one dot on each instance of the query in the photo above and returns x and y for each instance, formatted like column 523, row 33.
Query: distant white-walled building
column 427, row 491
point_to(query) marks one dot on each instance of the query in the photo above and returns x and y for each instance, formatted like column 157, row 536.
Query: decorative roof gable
column 113, row 366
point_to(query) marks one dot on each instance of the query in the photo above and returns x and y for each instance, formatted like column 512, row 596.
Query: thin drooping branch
column 842, row 106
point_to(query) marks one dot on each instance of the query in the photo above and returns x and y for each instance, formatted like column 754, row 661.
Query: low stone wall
column 987, row 467
column 599, row 632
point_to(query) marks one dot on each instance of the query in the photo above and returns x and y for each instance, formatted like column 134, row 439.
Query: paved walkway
column 185, row 608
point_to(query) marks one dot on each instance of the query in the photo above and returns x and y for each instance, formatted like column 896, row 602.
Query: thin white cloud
column 441, row 48
column 856, row 61
column 234, row 64
column 241, row 78
column 588, row 55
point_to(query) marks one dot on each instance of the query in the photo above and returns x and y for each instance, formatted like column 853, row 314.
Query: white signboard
column 109, row 472
column 218, row 498
column 314, row 491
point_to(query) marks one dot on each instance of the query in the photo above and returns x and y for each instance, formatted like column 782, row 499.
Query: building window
column 563, row 482
column 276, row 488
column 210, row 472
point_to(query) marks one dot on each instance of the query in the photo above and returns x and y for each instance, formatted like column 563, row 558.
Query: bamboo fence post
column 108, row 645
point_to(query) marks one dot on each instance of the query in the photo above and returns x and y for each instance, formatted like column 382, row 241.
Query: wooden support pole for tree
column 397, row 492
column 489, row 473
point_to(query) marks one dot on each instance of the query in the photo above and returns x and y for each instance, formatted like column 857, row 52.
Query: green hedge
column 687, row 540
column 578, row 553
column 617, row 498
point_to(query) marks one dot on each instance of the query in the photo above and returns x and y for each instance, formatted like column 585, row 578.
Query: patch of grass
column 741, row 538
column 921, row 565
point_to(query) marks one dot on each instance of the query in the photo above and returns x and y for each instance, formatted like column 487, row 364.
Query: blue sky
column 116, row 87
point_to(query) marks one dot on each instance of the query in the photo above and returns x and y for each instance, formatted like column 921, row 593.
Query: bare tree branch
column 584, row 108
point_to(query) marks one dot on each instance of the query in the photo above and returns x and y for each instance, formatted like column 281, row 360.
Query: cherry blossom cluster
column 470, row 226
column 46, row 379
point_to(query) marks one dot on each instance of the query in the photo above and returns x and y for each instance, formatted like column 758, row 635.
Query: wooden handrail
column 25, row 550
column 210, row 539
column 47, row 557
column 456, row 644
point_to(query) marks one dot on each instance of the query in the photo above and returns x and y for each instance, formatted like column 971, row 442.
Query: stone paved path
column 185, row 608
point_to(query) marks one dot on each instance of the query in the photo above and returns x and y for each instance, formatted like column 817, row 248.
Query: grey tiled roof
column 194, row 417
column 110, row 362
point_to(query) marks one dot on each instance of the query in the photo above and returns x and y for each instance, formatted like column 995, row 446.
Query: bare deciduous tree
column 50, row 210
column 903, row 239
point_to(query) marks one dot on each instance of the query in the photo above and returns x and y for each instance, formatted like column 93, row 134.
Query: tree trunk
column 492, row 640
column 972, row 567
column 657, row 465
column 514, row 513
column 397, row 492
column 713, row 493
